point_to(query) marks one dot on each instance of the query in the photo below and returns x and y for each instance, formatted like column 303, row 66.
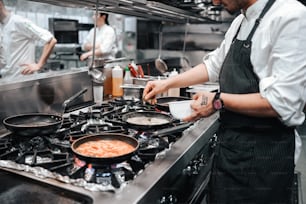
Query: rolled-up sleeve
column 285, row 86
column 35, row 32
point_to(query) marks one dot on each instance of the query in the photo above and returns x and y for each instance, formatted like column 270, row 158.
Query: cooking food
column 104, row 148
column 143, row 120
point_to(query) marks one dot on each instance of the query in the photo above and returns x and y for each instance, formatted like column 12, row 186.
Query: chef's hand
column 29, row 68
column 152, row 89
column 85, row 55
column 202, row 106
column 217, row 2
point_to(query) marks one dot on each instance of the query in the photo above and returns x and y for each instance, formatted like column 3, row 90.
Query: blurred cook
column 18, row 42
column 105, row 46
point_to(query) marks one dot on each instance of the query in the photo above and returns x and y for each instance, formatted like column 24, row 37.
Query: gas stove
column 49, row 158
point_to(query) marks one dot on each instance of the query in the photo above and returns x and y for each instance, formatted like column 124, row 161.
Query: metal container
column 98, row 62
column 132, row 91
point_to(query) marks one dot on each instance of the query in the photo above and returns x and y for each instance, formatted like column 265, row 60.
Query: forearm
column 196, row 75
column 46, row 52
column 248, row 104
column 87, row 46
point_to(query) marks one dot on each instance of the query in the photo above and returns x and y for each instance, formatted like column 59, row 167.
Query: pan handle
column 72, row 98
column 171, row 130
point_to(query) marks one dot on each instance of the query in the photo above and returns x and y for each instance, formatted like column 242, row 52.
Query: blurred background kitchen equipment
column 160, row 64
column 97, row 76
column 184, row 61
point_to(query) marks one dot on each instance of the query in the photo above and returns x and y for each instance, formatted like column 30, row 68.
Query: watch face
column 218, row 104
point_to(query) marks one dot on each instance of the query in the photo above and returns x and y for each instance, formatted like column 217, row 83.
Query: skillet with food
column 105, row 148
column 147, row 119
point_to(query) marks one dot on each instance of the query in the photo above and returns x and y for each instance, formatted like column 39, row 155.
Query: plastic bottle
column 117, row 81
column 174, row 92
column 164, row 94
column 127, row 76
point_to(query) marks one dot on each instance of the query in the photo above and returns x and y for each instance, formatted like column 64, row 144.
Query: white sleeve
column 88, row 38
column 34, row 32
column 108, row 41
column 285, row 87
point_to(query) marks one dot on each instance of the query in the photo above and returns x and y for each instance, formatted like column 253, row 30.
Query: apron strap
column 257, row 22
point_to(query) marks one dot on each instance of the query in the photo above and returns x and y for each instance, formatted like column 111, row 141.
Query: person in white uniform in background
column 17, row 44
column 105, row 39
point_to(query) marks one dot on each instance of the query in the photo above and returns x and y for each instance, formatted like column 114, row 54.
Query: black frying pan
column 107, row 136
column 163, row 102
column 37, row 124
column 147, row 119
column 33, row 124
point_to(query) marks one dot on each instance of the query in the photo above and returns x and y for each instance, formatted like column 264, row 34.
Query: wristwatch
column 217, row 102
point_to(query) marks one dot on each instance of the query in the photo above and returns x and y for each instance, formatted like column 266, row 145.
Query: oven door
column 186, row 183
column 17, row 189
column 191, row 186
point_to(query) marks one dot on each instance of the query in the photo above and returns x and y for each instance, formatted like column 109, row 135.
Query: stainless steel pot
column 142, row 81
column 132, row 91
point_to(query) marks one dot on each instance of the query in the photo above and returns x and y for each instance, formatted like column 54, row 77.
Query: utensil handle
column 72, row 98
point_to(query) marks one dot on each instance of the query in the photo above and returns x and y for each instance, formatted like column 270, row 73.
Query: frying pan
column 33, row 124
column 146, row 117
column 107, row 136
column 163, row 102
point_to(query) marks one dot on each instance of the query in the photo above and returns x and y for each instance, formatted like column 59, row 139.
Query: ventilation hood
column 193, row 11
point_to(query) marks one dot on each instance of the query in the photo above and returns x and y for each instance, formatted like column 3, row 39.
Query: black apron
column 254, row 158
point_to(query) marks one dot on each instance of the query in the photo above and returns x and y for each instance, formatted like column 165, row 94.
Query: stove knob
column 187, row 171
column 168, row 199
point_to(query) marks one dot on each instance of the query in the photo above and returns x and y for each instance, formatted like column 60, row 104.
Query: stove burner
column 92, row 129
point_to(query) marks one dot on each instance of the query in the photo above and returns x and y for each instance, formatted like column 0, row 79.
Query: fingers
column 83, row 57
column 149, row 92
column 28, row 69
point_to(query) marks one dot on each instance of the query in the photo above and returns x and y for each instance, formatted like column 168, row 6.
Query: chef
column 17, row 44
column 105, row 45
column 261, row 68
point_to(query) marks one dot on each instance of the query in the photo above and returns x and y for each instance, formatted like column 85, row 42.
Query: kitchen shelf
column 138, row 8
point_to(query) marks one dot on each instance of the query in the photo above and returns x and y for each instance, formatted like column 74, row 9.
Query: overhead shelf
column 139, row 8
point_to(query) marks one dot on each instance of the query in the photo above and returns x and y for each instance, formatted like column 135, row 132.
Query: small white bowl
column 180, row 109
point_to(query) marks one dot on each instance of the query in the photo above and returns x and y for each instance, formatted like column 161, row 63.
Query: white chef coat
column 106, row 38
column 277, row 55
column 18, row 41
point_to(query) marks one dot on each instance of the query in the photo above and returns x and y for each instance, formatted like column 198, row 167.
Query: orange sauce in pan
column 104, row 148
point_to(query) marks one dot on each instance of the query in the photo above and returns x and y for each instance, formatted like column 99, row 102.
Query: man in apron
column 261, row 69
